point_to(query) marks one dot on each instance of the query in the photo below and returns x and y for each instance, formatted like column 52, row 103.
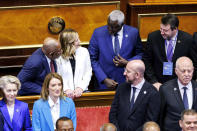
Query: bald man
column 37, row 66
column 136, row 101
column 108, row 127
column 178, row 95
column 151, row 126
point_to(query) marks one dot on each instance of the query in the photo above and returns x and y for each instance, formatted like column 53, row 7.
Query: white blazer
column 83, row 70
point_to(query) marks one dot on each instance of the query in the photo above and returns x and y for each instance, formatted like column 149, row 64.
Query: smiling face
column 189, row 123
column 55, row 88
column 10, row 91
column 166, row 32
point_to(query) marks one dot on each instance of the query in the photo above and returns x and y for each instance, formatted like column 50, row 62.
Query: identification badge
column 167, row 68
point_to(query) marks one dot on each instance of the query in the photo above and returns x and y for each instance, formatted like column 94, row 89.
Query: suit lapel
column 194, row 94
column 55, row 66
column 143, row 92
column 5, row 113
column 109, row 43
column 126, row 97
column 17, row 113
column 47, row 114
column 162, row 48
column 46, row 65
column 124, row 40
column 175, row 90
column 178, row 48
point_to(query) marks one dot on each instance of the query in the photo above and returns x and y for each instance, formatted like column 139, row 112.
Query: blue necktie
column 133, row 97
column 185, row 99
column 170, row 51
column 116, row 44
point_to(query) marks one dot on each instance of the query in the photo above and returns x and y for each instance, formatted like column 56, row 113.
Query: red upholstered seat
column 92, row 118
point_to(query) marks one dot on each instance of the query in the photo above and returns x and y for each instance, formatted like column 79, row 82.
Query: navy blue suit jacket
column 33, row 73
column 21, row 118
column 102, row 53
column 1, row 121
column 146, row 107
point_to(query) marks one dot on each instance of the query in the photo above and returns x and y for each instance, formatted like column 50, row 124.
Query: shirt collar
column 51, row 103
column 139, row 85
column 120, row 33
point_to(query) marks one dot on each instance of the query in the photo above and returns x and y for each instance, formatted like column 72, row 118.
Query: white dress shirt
column 137, row 91
column 189, row 92
column 55, row 110
column 11, row 111
column 120, row 36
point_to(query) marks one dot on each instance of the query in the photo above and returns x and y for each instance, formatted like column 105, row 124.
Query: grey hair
column 117, row 15
column 9, row 79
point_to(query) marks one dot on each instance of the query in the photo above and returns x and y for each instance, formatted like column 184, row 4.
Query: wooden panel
column 28, row 26
column 185, row 11
column 151, row 22
column 86, row 100
column 166, row 1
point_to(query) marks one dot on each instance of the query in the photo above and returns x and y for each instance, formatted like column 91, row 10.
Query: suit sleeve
column 138, row 52
column 94, row 57
column 193, row 54
column 114, row 110
column 36, row 118
column 148, row 60
column 27, row 121
column 162, row 107
column 27, row 75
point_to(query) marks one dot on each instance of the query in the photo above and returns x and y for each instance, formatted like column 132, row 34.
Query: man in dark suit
column 188, row 120
column 135, row 101
column 37, row 66
column 164, row 47
column 178, row 95
column 111, row 47
column 1, row 121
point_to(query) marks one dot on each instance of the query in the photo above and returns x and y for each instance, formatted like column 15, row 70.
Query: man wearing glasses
column 164, row 47
column 37, row 66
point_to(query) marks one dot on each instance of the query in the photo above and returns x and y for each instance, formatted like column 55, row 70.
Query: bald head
column 184, row 70
column 137, row 65
column 51, row 48
column 151, row 126
column 108, row 127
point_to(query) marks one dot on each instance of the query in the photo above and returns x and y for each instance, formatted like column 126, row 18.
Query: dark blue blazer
column 33, row 73
column 21, row 119
column 146, row 107
column 102, row 53
column 1, row 121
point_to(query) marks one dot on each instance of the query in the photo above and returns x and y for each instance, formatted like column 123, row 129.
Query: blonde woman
column 74, row 64
column 16, row 113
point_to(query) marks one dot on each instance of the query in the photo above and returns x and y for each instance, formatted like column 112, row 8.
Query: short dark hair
column 188, row 112
column 62, row 119
column 170, row 19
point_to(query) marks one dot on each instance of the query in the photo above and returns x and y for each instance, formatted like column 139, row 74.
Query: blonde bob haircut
column 45, row 86
column 9, row 79
column 67, row 38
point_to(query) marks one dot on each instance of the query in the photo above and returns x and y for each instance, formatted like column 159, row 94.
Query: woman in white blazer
column 74, row 56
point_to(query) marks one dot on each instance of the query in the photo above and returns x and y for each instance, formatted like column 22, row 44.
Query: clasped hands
column 120, row 61
column 74, row 93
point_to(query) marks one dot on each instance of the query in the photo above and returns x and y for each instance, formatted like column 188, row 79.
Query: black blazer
column 155, row 55
column 146, row 107
column 1, row 121
column 172, row 105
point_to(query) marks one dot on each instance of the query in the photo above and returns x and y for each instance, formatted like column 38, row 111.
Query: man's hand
column 69, row 93
column 120, row 61
column 157, row 85
column 78, row 92
column 110, row 83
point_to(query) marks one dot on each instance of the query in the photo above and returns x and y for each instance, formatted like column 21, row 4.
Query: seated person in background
column 188, row 120
column 1, row 121
column 164, row 47
column 37, row 66
column 15, row 112
column 178, row 95
column 64, row 124
column 108, row 127
column 151, row 126
column 52, row 105
column 74, row 64
column 136, row 101
column 111, row 47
